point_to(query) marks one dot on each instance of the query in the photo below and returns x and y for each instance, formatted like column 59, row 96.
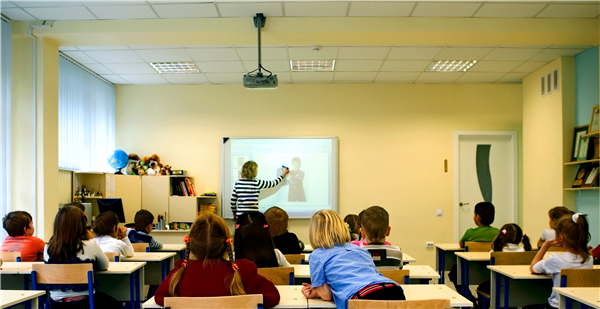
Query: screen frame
column 226, row 176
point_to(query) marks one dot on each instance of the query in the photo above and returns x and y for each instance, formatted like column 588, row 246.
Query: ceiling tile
column 354, row 76
column 61, row 13
column 221, row 67
column 141, row 79
column 404, row 66
column 123, row 12
column 131, row 68
column 514, row 54
column 530, row 66
column 99, row 69
column 397, row 77
column 111, row 2
column 136, row 47
column 363, row 53
column 196, row 10
column 357, row 65
column 512, row 10
column 225, row 78
column 367, row 8
column 315, row 8
column 247, row 9
column 251, row 53
column 312, row 77
column 430, row 77
column 212, row 54
column 68, row 48
column 112, row 47
column 33, row 4
column 273, row 66
column 163, row 55
column 284, row 78
column 80, row 57
column 463, row 53
column 413, row 53
column 306, row 53
column 460, row 9
column 473, row 77
column 116, row 79
column 115, row 56
column 570, row 11
column 551, row 54
column 186, row 79
column 513, row 78
column 495, row 66
column 17, row 14
column 7, row 4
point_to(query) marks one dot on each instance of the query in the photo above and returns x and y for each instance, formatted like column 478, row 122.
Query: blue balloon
column 118, row 159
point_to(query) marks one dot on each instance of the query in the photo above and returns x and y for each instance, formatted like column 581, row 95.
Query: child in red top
column 19, row 226
column 205, row 272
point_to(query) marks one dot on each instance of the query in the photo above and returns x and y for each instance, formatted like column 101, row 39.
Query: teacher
column 246, row 190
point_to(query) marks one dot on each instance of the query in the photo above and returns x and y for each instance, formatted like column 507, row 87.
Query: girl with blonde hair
column 342, row 271
column 206, row 271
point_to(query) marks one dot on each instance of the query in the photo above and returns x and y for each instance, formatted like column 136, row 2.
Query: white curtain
column 86, row 119
column 5, row 170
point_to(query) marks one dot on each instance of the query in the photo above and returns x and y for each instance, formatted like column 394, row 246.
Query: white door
column 485, row 170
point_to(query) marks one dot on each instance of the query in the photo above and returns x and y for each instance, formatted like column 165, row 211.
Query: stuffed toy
column 153, row 164
column 166, row 170
column 131, row 168
column 141, row 168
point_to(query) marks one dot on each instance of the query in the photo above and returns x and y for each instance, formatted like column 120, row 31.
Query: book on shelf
column 182, row 187
column 189, row 186
column 178, row 172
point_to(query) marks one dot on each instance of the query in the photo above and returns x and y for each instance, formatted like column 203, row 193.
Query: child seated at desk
column 19, row 226
column 209, row 268
column 110, row 236
column 283, row 240
column 253, row 241
column 143, row 226
column 554, row 214
column 375, row 227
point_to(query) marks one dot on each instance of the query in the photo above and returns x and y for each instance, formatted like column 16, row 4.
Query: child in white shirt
column 554, row 214
column 109, row 236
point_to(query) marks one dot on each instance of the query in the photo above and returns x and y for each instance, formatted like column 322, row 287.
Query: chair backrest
column 389, row 304
column 380, row 258
column 250, row 301
column 583, row 278
column 62, row 273
column 540, row 243
column 295, row 258
column 141, row 247
column 512, row 258
column 478, row 246
column 10, row 256
column 278, row 275
column 400, row 276
column 113, row 256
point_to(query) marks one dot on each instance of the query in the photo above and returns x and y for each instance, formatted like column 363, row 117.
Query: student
column 363, row 242
column 286, row 242
column 341, row 271
column 209, row 268
column 554, row 214
column 70, row 243
column 246, row 190
column 572, row 234
column 353, row 226
column 19, row 226
column 375, row 222
column 110, row 236
column 253, row 241
column 143, row 226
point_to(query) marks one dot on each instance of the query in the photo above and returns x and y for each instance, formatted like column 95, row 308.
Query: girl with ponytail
column 572, row 234
column 509, row 238
column 209, row 268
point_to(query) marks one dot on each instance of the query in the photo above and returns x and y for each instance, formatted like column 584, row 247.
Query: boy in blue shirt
column 143, row 226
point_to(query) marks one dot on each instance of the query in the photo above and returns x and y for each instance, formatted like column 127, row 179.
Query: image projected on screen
column 311, row 184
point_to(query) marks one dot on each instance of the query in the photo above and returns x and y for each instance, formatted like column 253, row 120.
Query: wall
column 65, row 186
column 547, row 135
column 587, row 93
column 393, row 139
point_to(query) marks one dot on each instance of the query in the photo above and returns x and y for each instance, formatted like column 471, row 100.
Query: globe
column 118, row 159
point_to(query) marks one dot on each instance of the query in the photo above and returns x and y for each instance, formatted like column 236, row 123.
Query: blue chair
column 113, row 256
column 278, row 275
column 11, row 256
column 570, row 278
column 64, row 274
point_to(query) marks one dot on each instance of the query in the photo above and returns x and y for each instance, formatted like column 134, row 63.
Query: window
column 5, row 114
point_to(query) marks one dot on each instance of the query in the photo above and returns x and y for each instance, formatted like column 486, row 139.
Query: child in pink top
column 19, row 226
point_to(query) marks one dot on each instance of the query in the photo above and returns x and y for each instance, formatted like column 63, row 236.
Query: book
column 183, row 190
column 179, row 172
column 189, row 187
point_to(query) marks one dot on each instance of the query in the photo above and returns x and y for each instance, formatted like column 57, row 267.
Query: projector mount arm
column 259, row 22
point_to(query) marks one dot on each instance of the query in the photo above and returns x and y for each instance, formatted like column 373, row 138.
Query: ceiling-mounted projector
column 256, row 79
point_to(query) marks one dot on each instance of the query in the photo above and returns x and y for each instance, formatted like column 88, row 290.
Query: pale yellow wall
column 547, row 136
column 65, row 186
column 393, row 139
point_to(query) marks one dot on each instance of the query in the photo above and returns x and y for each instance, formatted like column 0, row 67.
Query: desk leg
column 425, row 281
column 506, row 289
column 464, row 271
column 497, row 277
column 568, row 303
column 164, row 267
column 132, row 290
column 441, row 263
column 137, row 288
column 182, row 255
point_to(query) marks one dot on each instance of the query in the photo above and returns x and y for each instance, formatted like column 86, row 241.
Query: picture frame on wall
column 584, row 145
column 582, row 172
column 577, row 133
column 590, row 178
column 595, row 122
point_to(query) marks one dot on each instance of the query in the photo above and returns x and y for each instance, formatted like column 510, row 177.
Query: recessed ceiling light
column 450, row 65
column 175, row 67
column 312, row 65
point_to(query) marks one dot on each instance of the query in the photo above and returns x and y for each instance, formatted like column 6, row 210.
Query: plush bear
column 166, row 170
column 132, row 165
column 153, row 164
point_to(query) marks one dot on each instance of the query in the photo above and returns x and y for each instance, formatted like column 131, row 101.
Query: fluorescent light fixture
column 174, row 67
column 312, row 65
column 450, row 65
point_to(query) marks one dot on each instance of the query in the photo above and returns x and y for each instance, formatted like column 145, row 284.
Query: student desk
column 587, row 296
column 472, row 269
column 422, row 272
column 413, row 292
column 444, row 258
column 14, row 275
column 172, row 248
column 158, row 266
column 405, row 258
column 291, row 297
column 12, row 298
column 307, row 248
column 169, row 236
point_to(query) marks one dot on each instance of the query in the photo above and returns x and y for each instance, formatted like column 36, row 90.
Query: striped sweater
column 245, row 194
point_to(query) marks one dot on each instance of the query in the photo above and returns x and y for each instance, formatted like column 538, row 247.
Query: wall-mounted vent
column 549, row 83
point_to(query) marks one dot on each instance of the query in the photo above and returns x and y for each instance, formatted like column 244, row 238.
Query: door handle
column 463, row 204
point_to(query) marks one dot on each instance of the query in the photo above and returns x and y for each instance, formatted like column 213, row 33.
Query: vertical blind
column 86, row 119
column 5, row 141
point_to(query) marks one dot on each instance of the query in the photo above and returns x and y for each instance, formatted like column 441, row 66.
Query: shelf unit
column 583, row 162
column 592, row 162
column 578, row 189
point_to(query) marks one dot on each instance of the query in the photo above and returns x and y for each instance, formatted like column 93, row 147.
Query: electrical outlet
column 429, row 244
column 439, row 213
